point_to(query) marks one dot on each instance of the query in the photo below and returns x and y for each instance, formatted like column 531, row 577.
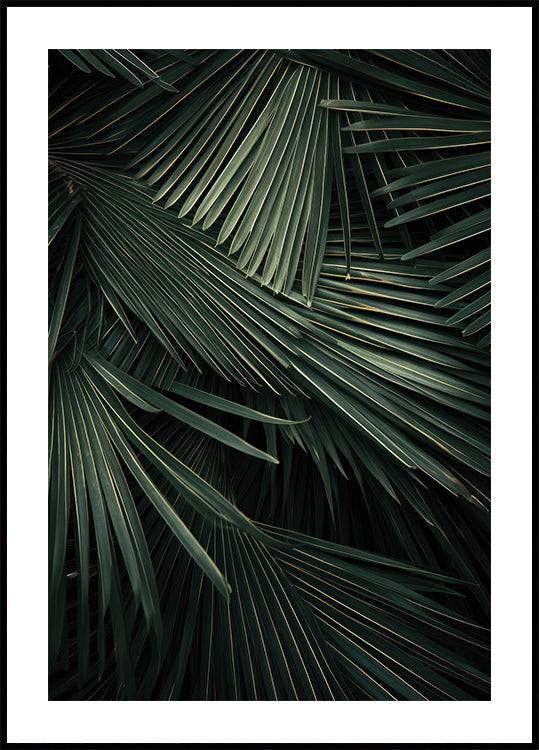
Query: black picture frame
column 4, row 31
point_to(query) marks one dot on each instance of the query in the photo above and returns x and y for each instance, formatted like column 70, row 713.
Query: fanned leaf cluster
column 269, row 374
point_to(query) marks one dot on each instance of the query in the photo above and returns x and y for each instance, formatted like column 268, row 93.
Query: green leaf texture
column 269, row 337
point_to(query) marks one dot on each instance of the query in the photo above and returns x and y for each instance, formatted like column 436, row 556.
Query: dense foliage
column 269, row 374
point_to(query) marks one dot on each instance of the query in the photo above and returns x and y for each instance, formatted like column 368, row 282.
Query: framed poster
column 263, row 412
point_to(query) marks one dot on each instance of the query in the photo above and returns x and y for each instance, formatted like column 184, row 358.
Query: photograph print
column 269, row 360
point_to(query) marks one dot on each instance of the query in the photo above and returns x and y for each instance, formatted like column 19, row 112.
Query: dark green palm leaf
column 269, row 318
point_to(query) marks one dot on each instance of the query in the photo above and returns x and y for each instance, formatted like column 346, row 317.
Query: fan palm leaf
column 269, row 374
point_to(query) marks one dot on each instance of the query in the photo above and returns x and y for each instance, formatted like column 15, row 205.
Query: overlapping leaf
column 269, row 414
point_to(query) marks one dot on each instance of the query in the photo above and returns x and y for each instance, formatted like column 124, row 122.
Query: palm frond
column 269, row 369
